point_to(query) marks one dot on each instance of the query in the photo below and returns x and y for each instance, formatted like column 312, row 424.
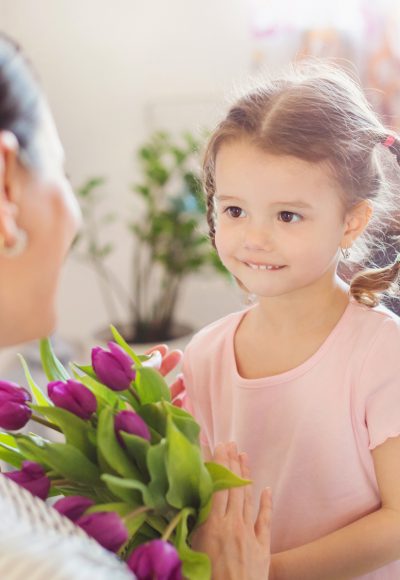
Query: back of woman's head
column 318, row 113
column 20, row 98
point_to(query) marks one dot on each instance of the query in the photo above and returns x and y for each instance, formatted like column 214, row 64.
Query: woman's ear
column 356, row 220
column 9, row 187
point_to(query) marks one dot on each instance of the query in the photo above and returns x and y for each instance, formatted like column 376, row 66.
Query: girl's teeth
column 263, row 267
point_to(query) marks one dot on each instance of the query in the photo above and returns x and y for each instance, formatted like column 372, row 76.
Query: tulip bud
column 130, row 422
column 33, row 478
column 158, row 560
column 74, row 397
column 73, row 506
column 14, row 410
column 114, row 367
column 105, row 527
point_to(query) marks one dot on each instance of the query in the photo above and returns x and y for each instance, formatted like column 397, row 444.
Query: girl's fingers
column 170, row 361
column 177, row 388
column 220, row 498
column 262, row 526
column 162, row 348
column 235, row 494
column 248, row 495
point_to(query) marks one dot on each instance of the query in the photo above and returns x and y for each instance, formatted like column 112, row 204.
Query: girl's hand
column 238, row 548
column 170, row 360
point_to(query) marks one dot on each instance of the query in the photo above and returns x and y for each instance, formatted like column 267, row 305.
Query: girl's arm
column 361, row 547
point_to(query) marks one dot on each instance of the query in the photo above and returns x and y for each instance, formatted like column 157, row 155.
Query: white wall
column 113, row 71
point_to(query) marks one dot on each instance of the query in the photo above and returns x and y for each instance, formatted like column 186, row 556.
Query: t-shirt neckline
column 291, row 373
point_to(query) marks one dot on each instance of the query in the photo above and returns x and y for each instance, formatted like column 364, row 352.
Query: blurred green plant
column 170, row 236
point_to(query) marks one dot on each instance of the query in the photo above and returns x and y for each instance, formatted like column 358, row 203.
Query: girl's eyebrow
column 226, row 197
column 294, row 203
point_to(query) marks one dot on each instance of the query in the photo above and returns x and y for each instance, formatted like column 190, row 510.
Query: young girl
column 306, row 382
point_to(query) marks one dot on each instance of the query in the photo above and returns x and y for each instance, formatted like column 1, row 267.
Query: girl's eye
column 289, row 217
column 234, row 212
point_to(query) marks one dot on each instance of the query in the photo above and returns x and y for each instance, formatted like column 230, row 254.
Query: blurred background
column 116, row 75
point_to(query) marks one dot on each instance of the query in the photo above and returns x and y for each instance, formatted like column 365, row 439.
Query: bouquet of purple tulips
column 127, row 465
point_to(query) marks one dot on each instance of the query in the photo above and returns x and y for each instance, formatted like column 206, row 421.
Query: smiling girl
column 306, row 381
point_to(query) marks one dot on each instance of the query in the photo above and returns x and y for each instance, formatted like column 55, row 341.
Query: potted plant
column 170, row 241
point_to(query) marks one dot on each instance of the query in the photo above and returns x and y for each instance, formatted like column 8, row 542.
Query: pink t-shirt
column 308, row 432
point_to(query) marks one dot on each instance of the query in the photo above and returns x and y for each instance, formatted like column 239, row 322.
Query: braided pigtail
column 368, row 285
column 209, row 188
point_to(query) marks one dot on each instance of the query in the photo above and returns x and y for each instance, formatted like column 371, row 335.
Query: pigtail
column 209, row 188
column 368, row 285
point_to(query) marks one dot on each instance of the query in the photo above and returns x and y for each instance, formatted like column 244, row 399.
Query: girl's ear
column 356, row 220
column 9, row 187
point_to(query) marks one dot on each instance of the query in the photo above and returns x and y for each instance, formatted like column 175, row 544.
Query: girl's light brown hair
column 318, row 113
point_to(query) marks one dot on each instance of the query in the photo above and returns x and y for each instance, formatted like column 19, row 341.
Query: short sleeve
column 380, row 383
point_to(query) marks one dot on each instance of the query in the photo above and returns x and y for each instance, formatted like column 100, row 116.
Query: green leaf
column 32, row 449
column 123, row 344
column 151, row 386
column 190, row 483
column 125, row 484
column 38, row 395
column 137, row 448
column 11, row 455
column 71, row 463
column 156, row 463
column 195, row 565
column 155, row 416
column 223, row 478
column 111, row 449
column 120, row 508
column 75, row 429
column 87, row 369
column 184, row 421
column 129, row 495
column 8, row 439
column 60, row 457
column 53, row 368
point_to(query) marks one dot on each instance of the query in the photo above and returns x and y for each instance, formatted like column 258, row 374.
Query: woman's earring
column 345, row 253
column 17, row 248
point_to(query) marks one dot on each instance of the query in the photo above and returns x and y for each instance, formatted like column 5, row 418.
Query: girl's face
column 280, row 220
column 49, row 213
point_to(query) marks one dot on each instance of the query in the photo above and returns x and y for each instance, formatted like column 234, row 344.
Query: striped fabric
column 37, row 543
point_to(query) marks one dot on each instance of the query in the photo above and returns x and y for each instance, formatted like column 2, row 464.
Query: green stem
column 172, row 525
column 45, row 422
column 61, row 482
column 134, row 393
column 137, row 512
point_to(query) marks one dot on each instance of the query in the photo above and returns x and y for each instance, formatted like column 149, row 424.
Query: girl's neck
column 307, row 308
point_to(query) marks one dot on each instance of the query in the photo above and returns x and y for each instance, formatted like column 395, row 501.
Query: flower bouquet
column 126, row 461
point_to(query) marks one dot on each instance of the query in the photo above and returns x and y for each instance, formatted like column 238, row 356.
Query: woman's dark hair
column 20, row 98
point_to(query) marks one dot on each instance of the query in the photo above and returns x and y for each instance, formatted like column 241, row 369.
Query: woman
column 39, row 218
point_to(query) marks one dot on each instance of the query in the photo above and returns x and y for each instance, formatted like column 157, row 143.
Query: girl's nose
column 257, row 238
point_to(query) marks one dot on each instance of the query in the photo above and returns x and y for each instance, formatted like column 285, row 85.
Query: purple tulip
column 14, row 410
column 113, row 367
column 156, row 560
column 105, row 527
column 73, row 506
column 130, row 422
column 74, row 397
column 33, row 478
